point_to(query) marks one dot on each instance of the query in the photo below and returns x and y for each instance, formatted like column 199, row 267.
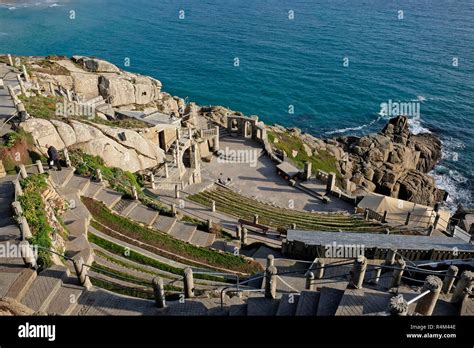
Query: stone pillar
column 67, row 158
column 398, row 306
column 25, row 73
column 188, row 283
column 449, row 279
column 271, row 282
column 23, row 172
column 427, row 303
column 176, row 191
column 436, row 220
column 22, row 85
column 216, row 140
column 270, row 260
column 463, row 284
column 81, row 271
column 173, row 209
column 319, row 272
column 39, row 165
column 27, row 254
column 69, row 95
column 178, row 135
column 2, row 84
column 375, row 276
column 238, row 231
column 167, row 174
column 310, row 281
column 152, row 180
column 358, row 271
column 213, row 206
column 159, row 292
column 51, row 89
column 18, row 189
column 390, row 257
column 331, row 184
column 397, row 273
column 244, row 236
column 255, row 219
column 24, row 228
column 17, row 210
column 209, row 225
column 134, row 193
column 99, row 175
column 307, row 170
column 10, row 60
column 293, row 226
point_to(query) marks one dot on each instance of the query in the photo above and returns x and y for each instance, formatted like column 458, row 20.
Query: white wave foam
column 349, row 129
column 451, row 181
column 414, row 123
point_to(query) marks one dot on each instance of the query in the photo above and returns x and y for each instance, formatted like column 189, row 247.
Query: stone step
column 61, row 178
column 329, row 301
column 238, row 310
column 143, row 214
column 307, row 303
column 44, row 288
column 183, row 231
column 288, row 305
column 108, row 197
column 260, row 306
column 357, row 302
column 93, row 189
column 124, row 206
column 65, row 300
column 164, row 223
column 78, row 183
column 201, row 238
column 21, row 284
column 7, row 279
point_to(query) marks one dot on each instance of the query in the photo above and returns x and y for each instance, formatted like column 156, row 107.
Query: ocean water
column 325, row 66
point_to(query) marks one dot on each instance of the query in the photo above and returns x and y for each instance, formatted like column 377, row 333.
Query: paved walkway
column 7, row 108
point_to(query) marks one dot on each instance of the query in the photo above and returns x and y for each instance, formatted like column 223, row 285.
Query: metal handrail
column 418, row 297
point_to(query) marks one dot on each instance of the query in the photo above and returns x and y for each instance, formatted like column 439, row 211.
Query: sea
column 328, row 67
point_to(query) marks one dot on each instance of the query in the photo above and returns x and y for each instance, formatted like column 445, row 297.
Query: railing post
column 173, row 209
column 134, row 193
column 152, row 180
column 39, row 165
column 375, row 276
column 176, row 191
column 25, row 73
column 427, row 303
column 271, row 282
column 51, row 89
column 24, row 228
column 449, row 279
column 293, row 226
column 270, row 260
column 28, row 254
column 159, row 292
column 390, row 257
column 319, row 272
column 255, row 219
column 358, row 271
column 188, row 283
column 10, row 60
column 81, row 272
column 398, row 306
column 167, row 174
column 17, row 210
column 18, row 189
column 22, row 85
column 238, row 231
column 366, row 214
column 209, row 224
column 213, row 206
column 309, row 281
column 99, row 175
column 244, row 236
column 397, row 273
column 463, row 284
column 23, row 172
column 67, row 158
column 216, row 140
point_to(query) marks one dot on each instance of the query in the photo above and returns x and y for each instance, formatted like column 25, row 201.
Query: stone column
column 464, row 283
column 397, row 273
column 309, row 281
column 209, row 225
column 18, row 189
column 81, row 271
column 69, row 95
column 271, row 282
column 213, row 206
column 28, row 254
column 188, row 283
column 331, row 184
column 159, row 292
column 216, row 140
column 99, row 175
column 255, row 219
column 397, row 306
column 23, row 172
column 25, row 73
column 176, row 191
column 307, row 170
column 24, row 228
column 270, row 260
column 2, row 84
column 22, row 85
column 358, row 271
column 427, row 303
column 319, row 272
column 238, row 231
column 390, row 257
column 10, row 60
column 173, row 209
column 244, row 236
column 39, row 165
column 67, row 158
column 17, row 210
column 134, row 193
column 167, row 174
column 152, row 180
column 449, row 279
column 293, row 226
